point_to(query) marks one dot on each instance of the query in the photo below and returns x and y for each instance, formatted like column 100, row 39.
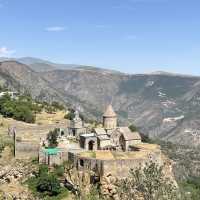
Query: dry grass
column 104, row 155
column 89, row 154
column 44, row 123
column 144, row 151
column 146, row 146
column 46, row 118
column 13, row 188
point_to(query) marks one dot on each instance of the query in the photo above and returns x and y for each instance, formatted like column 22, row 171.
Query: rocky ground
column 12, row 174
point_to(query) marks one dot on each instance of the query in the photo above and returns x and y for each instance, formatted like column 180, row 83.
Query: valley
column 163, row 105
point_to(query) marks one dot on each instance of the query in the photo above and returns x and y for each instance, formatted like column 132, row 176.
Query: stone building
column 88, row 142
column 110, row 136
column 76, row 127
column 124, row 138
column 109, row 119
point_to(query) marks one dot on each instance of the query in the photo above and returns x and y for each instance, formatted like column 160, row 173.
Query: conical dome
column 110, row 112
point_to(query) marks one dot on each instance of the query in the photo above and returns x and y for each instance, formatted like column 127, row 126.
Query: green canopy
column 51, row 151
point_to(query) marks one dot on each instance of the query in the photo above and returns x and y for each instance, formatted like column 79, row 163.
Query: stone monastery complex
column 110, row 149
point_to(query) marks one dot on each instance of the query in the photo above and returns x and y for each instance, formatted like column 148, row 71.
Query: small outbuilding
column 88, row 142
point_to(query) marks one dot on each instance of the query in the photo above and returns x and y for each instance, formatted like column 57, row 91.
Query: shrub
column 69, row 116
column 59, row 170
column 133, row 128
column 49, row 184
column 53, row 138
column 43, row 170
column 57, row 105
column 46, row 185
column 21, row 109
column 147, row 183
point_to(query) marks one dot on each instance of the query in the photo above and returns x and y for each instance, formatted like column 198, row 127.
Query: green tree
column 20, row 109
column 59, row 170
column 148, row 183
column 23, row 113
column 43, row 170
column 69, row 116
column 53, row 138
column 57, row 105
column 49, row 184
column 133, row 128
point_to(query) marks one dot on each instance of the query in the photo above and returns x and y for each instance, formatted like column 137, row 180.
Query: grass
column 6, row 141
column 46, row 118
column 143, row 152
column 90, row 154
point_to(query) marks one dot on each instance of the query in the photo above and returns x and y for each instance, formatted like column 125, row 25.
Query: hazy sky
column 127, row 35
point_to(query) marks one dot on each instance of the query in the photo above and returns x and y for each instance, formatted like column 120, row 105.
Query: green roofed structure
column 52, row 151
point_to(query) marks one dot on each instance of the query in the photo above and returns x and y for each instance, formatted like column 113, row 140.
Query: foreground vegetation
column 46, row 184
column 24, row 108
column 6, row 141
column 191, row 188
column 185, row 167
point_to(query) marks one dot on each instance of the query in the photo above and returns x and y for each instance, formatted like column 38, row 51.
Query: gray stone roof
column 100, row 131
column 128, row 135
column 110, row 112
column 103, row 137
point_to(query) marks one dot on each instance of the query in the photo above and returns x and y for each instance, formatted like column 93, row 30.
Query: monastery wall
column 26, row 149
column 116, row 167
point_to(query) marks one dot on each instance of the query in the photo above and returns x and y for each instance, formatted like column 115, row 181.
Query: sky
column 133, row 36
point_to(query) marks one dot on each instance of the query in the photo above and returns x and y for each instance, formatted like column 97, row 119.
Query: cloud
column 4, row 51
column 55, row 28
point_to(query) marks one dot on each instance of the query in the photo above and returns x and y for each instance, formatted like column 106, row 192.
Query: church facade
column 110, row 136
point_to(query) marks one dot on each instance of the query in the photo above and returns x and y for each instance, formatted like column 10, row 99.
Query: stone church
column 110, row 137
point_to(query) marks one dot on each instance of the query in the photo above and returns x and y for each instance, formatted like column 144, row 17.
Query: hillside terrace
column 143, row 151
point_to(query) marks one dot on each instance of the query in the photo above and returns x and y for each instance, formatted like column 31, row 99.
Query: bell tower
column 110, row 119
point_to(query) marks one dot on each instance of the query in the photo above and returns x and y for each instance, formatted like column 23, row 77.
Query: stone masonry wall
column 26, row 149
column 118, row 167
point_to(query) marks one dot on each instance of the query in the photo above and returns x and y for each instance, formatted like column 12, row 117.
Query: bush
column 59, row 170
column 191, row 188
column 69, row 116
column 146, row 139
column 46, row 185
column 148, row 183
column 133, row 128
column 21, row 109
column 49, row 184
column 53, row 138
column 57, row 105
column 43, row 170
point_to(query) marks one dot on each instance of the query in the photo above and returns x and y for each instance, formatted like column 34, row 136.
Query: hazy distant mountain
column 166, row 106
column 40, row 65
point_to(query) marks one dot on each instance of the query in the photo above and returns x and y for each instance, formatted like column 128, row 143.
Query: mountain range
column 162, row 105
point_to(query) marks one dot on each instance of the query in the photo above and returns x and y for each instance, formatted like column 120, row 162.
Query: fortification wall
column 117, row 167
column 26, row 149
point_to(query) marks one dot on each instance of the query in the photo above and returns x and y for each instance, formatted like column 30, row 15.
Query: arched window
column 82, row 163
column 122, row 143
column 91, row 145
